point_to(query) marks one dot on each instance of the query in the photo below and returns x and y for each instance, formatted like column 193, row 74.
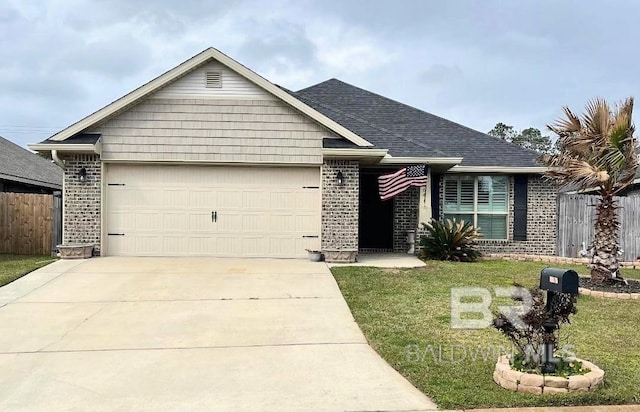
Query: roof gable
column 408, row 131
column 188, row 66
column 228, row 84
column 20, row 165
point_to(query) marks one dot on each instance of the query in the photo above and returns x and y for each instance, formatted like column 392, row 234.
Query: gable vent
column 214, row 79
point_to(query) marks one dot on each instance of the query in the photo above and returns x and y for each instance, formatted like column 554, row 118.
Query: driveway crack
column 82, row 322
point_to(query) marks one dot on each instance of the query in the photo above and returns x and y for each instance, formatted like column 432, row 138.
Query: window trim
column 475, row 212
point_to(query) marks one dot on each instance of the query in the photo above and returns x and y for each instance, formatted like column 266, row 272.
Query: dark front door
column 376, row 216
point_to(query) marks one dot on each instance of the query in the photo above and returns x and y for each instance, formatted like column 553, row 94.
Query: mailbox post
column 555, row 281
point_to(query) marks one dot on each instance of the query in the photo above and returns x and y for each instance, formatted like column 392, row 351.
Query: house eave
column 331, row 153
column 498, row 169
column 67, row 147
column 391, row 160
column 28, row 181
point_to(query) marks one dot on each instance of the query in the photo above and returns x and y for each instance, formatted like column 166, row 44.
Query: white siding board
column 193, row 85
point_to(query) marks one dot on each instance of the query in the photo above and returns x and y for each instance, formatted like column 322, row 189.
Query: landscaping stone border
column 550, row 259
column 608, row 295
column 517, row 381
column 566, row 260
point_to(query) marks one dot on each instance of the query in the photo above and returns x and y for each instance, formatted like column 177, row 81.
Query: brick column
column 340, row 205
column 405, row 217
column 81, row 201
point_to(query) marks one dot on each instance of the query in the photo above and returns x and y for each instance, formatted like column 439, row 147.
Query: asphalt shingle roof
column 407, row 131
column 82, row 138
column 20, row 165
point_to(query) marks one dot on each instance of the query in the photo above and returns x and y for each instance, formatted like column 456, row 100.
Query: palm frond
column 597, row 149
column 597, row 120
column 569, row 171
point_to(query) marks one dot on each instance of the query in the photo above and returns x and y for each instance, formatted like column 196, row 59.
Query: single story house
column 212, row 159
column 22, row 171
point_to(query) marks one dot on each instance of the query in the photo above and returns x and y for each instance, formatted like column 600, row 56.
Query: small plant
column 450, row 240
column 564, row 367
column 526, row 328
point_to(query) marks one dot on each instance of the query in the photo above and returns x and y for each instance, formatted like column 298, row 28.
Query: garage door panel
column 167, row 210
column 227, row 245
column 200, row 223
column 307, row 224
column 172, row 199
column 173, row 223
column 202, row 199
column 229, row 199
column 120, row 221
column 143, row 220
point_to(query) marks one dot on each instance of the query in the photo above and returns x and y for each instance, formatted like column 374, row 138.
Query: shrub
column 450, row 240
column 525, row 327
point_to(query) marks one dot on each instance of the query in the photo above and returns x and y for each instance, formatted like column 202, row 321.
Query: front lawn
column 405, row 315
column 14, row 266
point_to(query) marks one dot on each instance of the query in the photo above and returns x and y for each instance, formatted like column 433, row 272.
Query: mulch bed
column 616, row 287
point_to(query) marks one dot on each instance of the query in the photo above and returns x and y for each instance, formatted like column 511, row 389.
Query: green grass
column 397, row 308
column 14, row 266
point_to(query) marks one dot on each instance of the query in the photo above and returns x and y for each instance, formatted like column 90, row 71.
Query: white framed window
column 480, row 200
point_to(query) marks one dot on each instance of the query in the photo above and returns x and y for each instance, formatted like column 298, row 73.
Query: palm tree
column 597, row 150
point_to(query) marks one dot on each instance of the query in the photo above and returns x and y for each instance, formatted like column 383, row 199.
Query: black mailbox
column 559, row 280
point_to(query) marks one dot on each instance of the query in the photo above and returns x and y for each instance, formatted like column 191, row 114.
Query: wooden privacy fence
column 576, row 214
column 30, row 223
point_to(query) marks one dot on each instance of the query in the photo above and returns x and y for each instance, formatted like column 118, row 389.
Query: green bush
column 450, row 240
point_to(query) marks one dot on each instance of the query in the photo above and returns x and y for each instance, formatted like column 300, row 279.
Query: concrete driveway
column 189, row 334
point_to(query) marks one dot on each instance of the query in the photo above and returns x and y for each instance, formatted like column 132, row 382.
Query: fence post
column 56, row 232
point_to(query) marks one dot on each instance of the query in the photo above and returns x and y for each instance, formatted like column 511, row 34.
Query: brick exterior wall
column 81, row 205
column 340, row 205
column 541, row 220
column 405, row 217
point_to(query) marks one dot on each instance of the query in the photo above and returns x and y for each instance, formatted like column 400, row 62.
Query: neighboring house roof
column 20, row 165
column 186, row 67
column 407, row 131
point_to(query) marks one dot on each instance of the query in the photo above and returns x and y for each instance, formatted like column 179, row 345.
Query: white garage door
column 162, row 210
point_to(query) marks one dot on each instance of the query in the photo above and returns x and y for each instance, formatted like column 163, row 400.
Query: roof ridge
column 375, row 126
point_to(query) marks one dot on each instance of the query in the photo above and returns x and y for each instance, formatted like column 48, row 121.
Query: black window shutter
column 435, row 196
column 520, row 208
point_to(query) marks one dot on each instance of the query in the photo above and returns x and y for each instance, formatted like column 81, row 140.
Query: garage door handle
column 214, row 216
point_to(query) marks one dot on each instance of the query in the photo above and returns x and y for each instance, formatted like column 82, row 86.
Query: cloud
column 477, row 63
column 105, row 58
column 441, row 74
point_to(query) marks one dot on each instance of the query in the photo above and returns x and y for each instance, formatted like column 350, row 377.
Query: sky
column 473, row 62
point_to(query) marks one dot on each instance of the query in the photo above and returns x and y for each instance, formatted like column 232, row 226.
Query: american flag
column 395, row 183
